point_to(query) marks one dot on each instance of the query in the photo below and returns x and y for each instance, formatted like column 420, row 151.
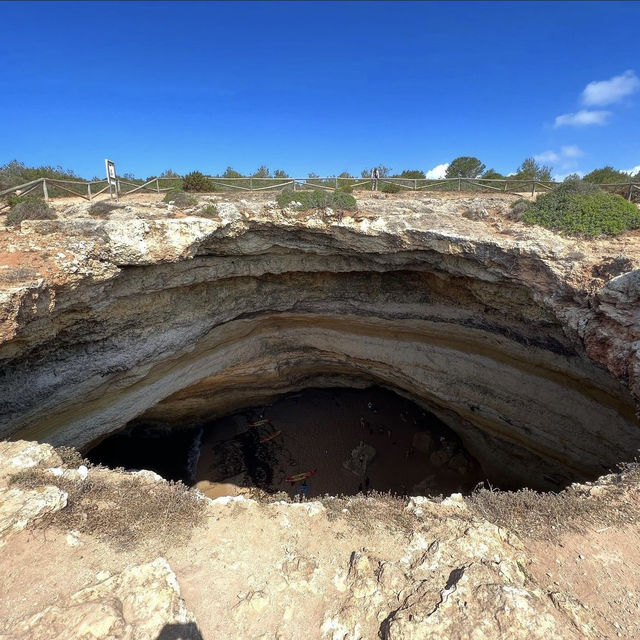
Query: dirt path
column 600, row 568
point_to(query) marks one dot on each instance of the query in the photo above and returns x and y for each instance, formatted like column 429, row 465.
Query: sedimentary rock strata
column 504, row 332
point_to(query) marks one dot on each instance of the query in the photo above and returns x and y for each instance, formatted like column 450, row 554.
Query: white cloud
column 437, row 172
column 633, row 171
column 547, row 156
column 599, row 93
column 582, row 118
column 567, row 154
column 572, row 151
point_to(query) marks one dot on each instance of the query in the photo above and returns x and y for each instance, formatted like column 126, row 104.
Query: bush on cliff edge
column 29, row 209
column 179, row 198
column 579, row 208
column 196, row 181
column 317, row 199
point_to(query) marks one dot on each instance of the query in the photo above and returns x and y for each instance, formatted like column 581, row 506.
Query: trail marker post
column 112, row 180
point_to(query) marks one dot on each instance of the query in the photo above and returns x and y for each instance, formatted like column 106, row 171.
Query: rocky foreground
column 241, row 568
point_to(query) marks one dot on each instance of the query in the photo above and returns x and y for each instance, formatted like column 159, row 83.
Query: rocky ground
column 245, row 568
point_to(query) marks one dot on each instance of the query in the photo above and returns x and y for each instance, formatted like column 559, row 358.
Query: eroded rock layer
column 500, row 335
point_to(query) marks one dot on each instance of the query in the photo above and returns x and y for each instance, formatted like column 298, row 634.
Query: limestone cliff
column 526, row 343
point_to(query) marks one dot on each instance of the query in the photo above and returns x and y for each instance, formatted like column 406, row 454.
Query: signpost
column 112, row 180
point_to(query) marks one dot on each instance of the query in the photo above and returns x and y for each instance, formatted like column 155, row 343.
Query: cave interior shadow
column 187, row 631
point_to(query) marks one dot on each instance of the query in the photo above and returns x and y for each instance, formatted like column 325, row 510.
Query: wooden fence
column 91, row 189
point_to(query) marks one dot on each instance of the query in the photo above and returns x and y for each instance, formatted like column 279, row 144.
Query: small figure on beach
column 302, row 490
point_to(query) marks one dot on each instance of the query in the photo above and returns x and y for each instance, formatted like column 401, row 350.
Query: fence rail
column 86, row 188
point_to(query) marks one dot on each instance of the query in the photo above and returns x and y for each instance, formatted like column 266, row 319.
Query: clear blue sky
column 319, row 86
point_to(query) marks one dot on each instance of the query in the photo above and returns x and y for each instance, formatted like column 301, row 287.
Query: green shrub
column 579, row 208
column 606, row 175
column 209, row 211
column 411, row 174
column 317, row 199
column 179, row 198
column 390, row 187
column 343, row 200
column 29, row 209
column 12, row 201
column 14, row 173
column 196, row 181
column 308, row 199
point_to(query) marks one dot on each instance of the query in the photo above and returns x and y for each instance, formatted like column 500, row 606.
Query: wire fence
column 53, row 187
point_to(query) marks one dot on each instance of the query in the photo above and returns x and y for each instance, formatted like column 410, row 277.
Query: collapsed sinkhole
column 337, row 441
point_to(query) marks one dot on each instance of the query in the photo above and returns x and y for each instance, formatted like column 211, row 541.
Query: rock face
column 505, row 332
column 142, row 602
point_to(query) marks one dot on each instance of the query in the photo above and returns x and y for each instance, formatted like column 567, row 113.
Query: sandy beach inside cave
column 319, row 429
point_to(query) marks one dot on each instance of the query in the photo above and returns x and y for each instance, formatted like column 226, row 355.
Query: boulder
column 142, row 603
column 423, row 441
column 360, row 459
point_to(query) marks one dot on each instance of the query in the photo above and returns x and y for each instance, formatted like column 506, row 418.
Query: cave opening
column 337, row 441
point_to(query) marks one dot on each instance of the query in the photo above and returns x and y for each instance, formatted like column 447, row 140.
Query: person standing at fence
column 375, row 176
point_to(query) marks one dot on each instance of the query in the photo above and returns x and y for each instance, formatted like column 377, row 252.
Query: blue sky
column 319, row 86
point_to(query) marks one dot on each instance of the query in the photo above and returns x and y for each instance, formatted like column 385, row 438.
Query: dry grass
column 180, row 199
column 103, row 208
column 124, row 511
column 545, row 515
column 71, row 457
column 366, row 512
column 29, row 209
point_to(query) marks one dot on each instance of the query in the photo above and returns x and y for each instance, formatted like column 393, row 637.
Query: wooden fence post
column 157, row 185
column 45, row 191
column 459, row 183
column 533, row 188
column 89, row 191
column 630, row 191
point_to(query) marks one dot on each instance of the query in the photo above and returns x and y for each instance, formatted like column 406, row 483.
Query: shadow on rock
column 187, row 631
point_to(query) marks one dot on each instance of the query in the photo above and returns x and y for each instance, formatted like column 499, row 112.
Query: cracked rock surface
column 356, row 568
